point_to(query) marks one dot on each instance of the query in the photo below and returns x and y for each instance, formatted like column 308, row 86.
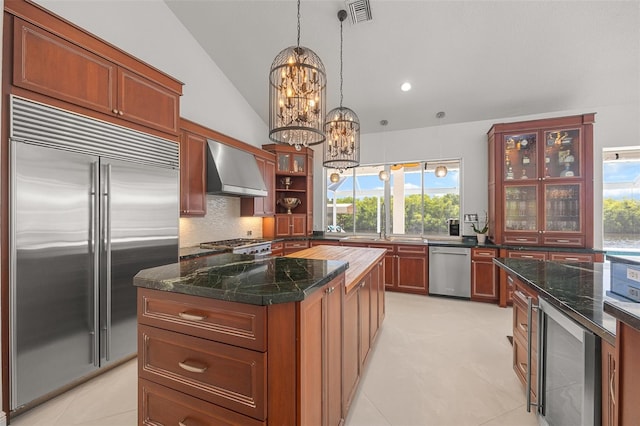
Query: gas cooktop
column 236, row 242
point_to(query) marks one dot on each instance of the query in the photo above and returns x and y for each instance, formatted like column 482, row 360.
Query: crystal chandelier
column 342, row 150
column 297, row 95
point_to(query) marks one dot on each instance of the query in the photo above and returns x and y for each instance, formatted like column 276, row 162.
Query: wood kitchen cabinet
column 406, row 266
column 91, row 75
column 609, row 381
column 321, row 356
column 293, row 179
column 363, row 312
column 294, row 246
column 290, row 351
column 484, row 275
column 628, row 374
column 290, row 225
column 412, row 269
column 193, row 200
column 541, row 182
column 262, row 206
column 521, row 325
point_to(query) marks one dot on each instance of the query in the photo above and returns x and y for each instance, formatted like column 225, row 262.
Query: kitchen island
column 579, row 292
column 233, row 339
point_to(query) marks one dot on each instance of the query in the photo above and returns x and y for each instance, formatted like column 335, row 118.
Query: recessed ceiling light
column 405, row 86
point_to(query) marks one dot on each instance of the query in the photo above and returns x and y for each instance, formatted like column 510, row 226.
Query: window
column 413, row 201
column 621, row 200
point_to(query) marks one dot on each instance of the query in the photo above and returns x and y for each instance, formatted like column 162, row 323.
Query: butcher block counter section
column 360, row 261
column 208, row 356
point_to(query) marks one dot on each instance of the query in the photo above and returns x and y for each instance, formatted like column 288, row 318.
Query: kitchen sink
column 361, row 238
column 392, row 239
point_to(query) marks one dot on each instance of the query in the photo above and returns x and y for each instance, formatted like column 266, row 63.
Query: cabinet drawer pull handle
column 612, row 373
column 330, row 290
column 521, row 239
column 571, row 258
column 563, row 241
column 191, row 317
column 115, row 111
column 527, row 256
column 194, row 368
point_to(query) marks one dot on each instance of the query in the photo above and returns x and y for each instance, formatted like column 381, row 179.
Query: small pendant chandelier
column 441, row 170
column 342, row 150
column 297, row 96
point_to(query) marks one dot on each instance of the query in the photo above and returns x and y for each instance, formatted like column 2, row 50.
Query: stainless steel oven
column 568, row 370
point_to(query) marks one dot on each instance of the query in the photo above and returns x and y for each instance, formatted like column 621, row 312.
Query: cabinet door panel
column 47, row 64
column 145, row 102
column 299, row 225
column 484, row 280
column 193, row 200
column 364, row 305
column 350, row 361
column 160, row 405
column 412, row 273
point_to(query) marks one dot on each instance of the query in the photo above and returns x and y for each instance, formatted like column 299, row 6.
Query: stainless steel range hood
column 231, row 171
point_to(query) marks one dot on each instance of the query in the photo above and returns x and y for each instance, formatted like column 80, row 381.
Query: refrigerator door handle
column 94, row 238
column 107, row 250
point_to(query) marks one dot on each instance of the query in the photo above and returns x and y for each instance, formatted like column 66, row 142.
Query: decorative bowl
column 289, row 203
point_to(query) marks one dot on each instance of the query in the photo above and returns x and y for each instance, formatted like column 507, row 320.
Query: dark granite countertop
column 243, row 278
column 576, row 289
column 627, row 312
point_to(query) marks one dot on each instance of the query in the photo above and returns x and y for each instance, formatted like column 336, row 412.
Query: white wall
column 149, row 31
column 615, row 126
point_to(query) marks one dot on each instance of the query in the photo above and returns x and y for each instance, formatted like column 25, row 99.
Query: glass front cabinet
column 541, row 182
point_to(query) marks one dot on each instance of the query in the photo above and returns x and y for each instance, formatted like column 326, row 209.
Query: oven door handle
column 530, row 308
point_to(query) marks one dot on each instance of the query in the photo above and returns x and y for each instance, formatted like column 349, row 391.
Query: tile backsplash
column 222, row 222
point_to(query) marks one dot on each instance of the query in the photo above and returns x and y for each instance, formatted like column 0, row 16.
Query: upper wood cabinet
column 65, row 70
column 293, row 179
column 193, row 200
column 541, row 182
column 262, row 206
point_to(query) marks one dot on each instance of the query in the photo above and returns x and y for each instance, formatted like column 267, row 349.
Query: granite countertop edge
column 175, row 286
column 564, row 307
column 627, row 312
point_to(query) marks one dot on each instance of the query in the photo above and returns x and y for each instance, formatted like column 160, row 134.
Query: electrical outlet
column 249, row 233
column 633, row 274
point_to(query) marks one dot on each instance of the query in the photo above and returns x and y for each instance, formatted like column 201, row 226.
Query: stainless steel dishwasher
column 450, row 271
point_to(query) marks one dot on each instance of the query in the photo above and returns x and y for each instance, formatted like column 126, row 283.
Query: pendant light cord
column 298, row 23
column 341, row 63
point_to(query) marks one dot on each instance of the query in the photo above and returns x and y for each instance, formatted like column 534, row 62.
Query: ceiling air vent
column 359, row 10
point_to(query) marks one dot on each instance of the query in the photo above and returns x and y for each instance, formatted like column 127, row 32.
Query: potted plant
column 481, row 233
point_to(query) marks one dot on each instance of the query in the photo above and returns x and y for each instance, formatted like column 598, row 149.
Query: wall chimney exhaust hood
column 231, row 171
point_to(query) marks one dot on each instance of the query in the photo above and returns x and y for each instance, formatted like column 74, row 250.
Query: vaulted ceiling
column 476, row 60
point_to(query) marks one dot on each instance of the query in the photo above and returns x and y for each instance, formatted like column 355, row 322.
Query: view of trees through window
column 621, row 199
column 413, row 201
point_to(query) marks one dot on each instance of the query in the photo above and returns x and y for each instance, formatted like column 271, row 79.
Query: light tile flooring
column 436, row 362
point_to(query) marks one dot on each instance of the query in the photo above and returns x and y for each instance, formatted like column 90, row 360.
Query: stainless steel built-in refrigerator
column 92, row 204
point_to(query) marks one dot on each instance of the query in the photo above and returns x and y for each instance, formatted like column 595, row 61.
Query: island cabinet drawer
column 238, row 324
column 521, row 320
column 416, row 249
column 520, row 365
column 571, row 257
column 164, row 406
column 225, row 375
